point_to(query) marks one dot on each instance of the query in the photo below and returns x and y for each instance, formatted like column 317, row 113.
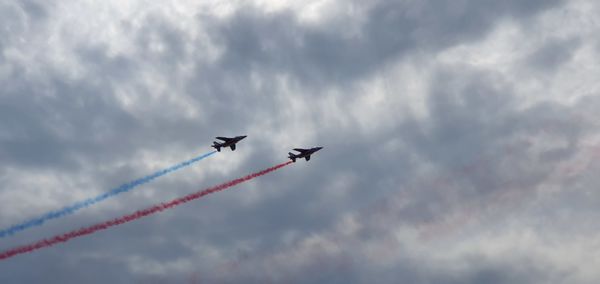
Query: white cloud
column 451, row 136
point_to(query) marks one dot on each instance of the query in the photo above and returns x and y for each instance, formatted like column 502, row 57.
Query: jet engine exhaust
column 91, row 201
column 134, row 216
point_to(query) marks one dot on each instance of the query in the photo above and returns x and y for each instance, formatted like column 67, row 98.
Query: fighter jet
column 227, row 142
column 304, row 153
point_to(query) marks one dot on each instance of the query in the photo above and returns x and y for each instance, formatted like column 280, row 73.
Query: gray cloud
column 356, row 213
column 551, row 55
column 392, row 29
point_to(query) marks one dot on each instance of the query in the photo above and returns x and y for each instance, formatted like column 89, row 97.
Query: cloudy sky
column 460, row 139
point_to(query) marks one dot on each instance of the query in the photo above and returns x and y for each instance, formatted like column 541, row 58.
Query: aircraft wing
column 224, row 138
column 301, row 150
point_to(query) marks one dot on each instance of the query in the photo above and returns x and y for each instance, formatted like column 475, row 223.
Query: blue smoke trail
column 91, row 201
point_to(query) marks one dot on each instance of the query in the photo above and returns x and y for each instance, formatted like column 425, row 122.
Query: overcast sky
column 460, row 139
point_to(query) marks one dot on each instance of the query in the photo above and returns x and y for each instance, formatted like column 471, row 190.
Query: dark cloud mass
column 392, row 29
column 450, row 156
column 553, row 54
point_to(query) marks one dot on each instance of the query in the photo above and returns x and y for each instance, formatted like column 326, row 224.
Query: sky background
column 460, row 139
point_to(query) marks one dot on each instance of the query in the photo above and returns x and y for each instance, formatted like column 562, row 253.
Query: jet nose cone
column 243, row 136
column 319, row 148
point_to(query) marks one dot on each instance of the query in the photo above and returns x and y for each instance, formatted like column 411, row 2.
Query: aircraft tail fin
column 292, row 156
column 217, row 146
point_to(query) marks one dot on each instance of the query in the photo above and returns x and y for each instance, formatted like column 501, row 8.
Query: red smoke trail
column 137, row 215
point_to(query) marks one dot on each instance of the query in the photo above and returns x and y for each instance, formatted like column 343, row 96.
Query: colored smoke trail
column 137, row 215
column 91, row 201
